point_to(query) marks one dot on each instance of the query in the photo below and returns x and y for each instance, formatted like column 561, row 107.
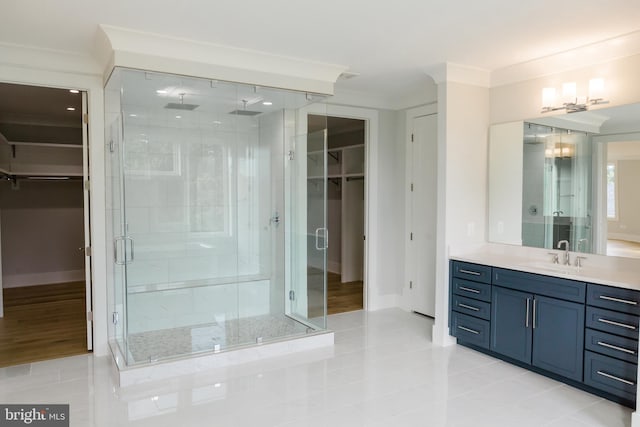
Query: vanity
column 572, row 324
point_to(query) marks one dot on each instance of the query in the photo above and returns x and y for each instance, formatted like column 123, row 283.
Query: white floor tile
column 383, row 371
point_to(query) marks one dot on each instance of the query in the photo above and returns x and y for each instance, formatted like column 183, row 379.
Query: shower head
column 245, row 112
column 181, row 105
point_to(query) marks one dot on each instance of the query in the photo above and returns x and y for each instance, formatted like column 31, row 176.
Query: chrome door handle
column 622, row 325
column 623, row 301
column 131, row 245
column 468, row 330
column 325, row 235
column 116, row 252
column 613, row 377
column 468, row 307
column 473, row 273
column 533, row 321
column 615, row 347
column 526, row 319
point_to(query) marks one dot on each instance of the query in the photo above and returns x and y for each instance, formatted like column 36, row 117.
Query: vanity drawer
column 470, row 329
column 610, row 375
column 469, row 271
column 554, row 287
column 619, row 299
column 471, row 307
column 475, row 290
column 611, row 345
column 613, row 322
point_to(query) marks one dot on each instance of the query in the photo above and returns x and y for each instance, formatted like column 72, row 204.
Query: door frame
column 86, row 160
column 370, row 298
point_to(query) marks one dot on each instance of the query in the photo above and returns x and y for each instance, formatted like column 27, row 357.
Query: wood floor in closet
column 343, row 297
column 43, row 322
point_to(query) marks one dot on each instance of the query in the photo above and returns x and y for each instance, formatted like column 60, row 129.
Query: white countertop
column 611, row 271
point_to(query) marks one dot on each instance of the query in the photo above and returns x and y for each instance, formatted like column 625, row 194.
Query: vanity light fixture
column 571, row 101
column 267, row 103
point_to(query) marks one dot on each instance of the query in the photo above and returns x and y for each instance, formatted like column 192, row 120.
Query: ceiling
column 389, row 44
column 40, row 114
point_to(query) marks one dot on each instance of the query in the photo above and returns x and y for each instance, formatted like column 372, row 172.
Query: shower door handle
column 116, row 250
column 130, row 240
column 325, row 236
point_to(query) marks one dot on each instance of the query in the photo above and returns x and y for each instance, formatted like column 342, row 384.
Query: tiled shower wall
column 199, row 208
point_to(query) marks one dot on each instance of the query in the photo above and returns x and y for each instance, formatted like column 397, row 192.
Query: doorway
column 346, row 175
column 44, row 240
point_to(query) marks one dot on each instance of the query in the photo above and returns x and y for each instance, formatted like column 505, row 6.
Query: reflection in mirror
column 571, row 177
column 556, row 190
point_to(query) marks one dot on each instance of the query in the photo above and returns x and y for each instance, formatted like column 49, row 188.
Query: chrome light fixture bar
column 570, row 101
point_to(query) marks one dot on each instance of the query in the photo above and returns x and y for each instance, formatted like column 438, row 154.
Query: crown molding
column 156, row 52
column 572, row 59
column 458, row 73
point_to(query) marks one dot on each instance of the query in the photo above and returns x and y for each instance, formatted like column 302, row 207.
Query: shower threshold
column 163, row 354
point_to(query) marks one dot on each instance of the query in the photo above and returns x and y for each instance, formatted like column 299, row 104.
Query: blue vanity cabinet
column 470, row 300
column 583, row 334
column 511, row 332
column 611, row 347
column 539, row 320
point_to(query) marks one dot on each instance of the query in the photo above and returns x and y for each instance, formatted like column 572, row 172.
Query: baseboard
column 334, row 267
column 20, row 280
column 623, row 236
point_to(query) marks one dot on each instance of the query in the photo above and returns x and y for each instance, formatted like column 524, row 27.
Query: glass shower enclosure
column 216, row 212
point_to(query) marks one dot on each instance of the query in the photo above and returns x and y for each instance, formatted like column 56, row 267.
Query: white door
column 423, row 214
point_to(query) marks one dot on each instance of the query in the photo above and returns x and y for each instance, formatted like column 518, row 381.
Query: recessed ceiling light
column 74, row 91
column 133, row 115
column 267, row 103
column 217, row 122
column 71, row 109
column 161, row 92
column 178, row 117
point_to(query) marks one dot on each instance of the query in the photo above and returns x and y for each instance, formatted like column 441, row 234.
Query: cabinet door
column 511, row 323
column 558, row 336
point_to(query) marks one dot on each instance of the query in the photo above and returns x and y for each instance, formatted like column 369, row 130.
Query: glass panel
column 199, row 178
column 309, row 233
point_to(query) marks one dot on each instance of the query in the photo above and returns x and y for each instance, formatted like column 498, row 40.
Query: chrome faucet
column 567, row 258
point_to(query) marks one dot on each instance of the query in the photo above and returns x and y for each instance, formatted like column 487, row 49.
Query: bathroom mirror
column 571, row 177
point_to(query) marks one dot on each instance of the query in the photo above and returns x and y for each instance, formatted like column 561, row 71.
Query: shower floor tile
column 167, row 343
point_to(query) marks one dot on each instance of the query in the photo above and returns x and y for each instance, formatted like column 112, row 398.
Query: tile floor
column 383, row 371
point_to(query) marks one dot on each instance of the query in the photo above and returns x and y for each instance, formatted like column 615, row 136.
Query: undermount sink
column 549, row 266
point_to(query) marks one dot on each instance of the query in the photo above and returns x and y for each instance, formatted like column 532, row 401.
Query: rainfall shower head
column 245, row 112
column 181, row 105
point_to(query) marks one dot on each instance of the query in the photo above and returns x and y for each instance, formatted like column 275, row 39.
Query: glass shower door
column 308, row 285
column 116, row 230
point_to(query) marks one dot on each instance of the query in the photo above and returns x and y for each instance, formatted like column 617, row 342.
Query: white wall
column 42, row 229
column 463, row 123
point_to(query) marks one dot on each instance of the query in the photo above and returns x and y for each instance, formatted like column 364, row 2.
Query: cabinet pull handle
column 526, row 319
column 468, row 307
column 534, row 314
column 622, row 325
column 615, row 347
column 613, row 377
column 624, row 301
column 473, row 273
column 469, row 330
column 473, row 291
